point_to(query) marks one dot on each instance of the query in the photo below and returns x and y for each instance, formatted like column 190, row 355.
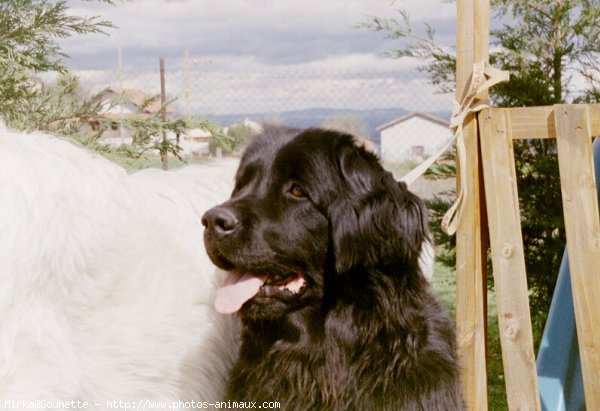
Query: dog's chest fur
column 329, row 365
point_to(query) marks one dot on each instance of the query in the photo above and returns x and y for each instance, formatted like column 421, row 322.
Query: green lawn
column 399, row 169
column 444, row 286
column 150, row 161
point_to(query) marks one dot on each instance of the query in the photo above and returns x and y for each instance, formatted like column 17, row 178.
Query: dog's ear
column 375, row 220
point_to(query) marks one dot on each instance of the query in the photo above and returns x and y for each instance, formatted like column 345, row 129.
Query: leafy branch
column 438, row 62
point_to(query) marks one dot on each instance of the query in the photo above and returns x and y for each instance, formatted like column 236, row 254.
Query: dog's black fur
column 365, row 333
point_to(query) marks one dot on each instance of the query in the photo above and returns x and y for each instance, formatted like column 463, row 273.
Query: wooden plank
column 482, row 34
column 481, row 53
column 580, row 205
column 470, row 308
column 465, row 32
column 508, row 258
column 538, row 122
column 470, row 288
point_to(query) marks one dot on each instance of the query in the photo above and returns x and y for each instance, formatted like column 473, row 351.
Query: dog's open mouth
column 239, row 288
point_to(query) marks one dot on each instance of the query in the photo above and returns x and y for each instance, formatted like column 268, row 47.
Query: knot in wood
column 511, row 331
column 507, row 250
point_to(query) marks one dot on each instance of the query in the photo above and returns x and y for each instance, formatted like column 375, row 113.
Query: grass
column 444, row 287
column 151, row 161
column 399, row 169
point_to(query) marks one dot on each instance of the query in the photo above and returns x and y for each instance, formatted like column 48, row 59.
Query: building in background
column 195, row 143
column 412, row 137
column 123, row 103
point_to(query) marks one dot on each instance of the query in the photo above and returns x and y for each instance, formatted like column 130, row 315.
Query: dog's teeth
column 296, row 285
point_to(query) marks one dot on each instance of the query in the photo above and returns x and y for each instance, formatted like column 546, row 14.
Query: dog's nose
column 221, row 220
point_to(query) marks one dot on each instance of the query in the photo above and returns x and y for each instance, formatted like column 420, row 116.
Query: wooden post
column 481, row 53
column 471, row 251
column 163, row 154
column 508, row 257
column 580, row 205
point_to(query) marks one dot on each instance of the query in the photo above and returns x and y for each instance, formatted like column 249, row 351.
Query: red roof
column 136, row 97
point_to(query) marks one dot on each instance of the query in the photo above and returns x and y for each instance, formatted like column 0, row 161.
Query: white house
column 413, row 137
column 251, row 125
column 195, row 143
column 117, row 103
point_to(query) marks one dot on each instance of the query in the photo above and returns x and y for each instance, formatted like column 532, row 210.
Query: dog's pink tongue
column 236, row 290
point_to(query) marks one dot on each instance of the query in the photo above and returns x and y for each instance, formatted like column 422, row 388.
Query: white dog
column 105, row 287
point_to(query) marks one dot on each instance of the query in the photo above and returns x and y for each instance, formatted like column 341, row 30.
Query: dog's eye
column 297, row 191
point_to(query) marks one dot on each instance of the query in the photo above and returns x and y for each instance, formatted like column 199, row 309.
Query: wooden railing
column 573, row 126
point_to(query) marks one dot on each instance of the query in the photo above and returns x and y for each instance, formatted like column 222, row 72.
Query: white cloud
column 282, row 55
column 271, row 31
column 429, row 10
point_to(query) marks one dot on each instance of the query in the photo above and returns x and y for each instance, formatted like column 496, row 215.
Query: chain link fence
column 396, row 113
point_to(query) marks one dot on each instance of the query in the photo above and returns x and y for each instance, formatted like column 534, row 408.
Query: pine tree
column 29, row 34
column 552, row 50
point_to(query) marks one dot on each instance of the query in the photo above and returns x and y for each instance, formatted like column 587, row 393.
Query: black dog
column 323, row 248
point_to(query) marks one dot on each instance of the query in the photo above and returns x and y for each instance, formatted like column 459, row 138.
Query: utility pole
column 186, row 78
column 120, row 82
column 163, row 152
column 186, row 83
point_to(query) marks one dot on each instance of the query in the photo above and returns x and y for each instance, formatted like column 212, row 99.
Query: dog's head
column 307, row 207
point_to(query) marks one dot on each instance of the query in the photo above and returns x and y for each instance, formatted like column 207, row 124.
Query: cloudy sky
column 249, row 34
column 271, row 32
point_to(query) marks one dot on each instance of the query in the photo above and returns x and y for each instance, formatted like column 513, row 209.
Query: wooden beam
column 470, row 254
column 470, row 286
column 482, row 33
column 508, row 258
column 580, row 205
column 465, row 33
column 538, row 122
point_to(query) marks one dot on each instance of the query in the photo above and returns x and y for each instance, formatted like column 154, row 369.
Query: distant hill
column 371, row 118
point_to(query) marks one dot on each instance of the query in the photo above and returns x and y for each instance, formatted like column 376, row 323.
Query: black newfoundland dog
column 322, row 246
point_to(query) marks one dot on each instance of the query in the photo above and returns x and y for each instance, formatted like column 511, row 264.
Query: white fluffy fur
column 105, row 286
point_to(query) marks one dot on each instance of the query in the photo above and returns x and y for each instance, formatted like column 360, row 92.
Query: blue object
column 558, row 363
